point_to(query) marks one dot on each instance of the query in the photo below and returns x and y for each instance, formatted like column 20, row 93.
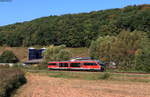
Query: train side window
column 52, row 64
column 63, row 64
column 74, row 64
column 90, row 64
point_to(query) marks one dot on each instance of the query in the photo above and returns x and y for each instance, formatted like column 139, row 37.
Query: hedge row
column 10, row 79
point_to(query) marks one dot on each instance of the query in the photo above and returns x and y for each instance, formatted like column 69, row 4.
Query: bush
column 143, row 61
column 56, row 53
column 10, row 79
column 63, row 55
column 8, row 57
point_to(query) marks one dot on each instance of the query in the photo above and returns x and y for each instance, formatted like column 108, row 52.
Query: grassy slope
column 21, row 52
column 79, row 52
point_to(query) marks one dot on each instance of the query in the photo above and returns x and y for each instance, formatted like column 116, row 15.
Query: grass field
column 42, row 83
column 79, row 52
column 95, row 75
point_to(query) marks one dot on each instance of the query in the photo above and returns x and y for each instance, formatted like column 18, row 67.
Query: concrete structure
column 34, row 54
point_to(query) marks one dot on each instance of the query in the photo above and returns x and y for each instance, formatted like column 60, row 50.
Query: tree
column 63, row 55
column 121, row 49
column 143, row 61
column 100, row 49
column 56, row 53
column 142, row 56
column 76, row 30
column 8, row 57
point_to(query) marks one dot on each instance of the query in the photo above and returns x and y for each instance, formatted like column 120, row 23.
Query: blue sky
column 26, row 10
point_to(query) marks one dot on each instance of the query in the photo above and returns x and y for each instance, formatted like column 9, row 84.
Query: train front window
column 52, row 64
column 63, row 64
column 89, row 64
column 75, row 65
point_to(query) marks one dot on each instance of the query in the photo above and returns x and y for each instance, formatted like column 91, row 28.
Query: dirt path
column 44, row 86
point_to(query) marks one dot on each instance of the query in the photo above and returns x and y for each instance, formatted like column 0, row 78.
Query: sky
column 14, row 11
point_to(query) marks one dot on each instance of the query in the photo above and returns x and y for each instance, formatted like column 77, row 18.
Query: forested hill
column 76, row 30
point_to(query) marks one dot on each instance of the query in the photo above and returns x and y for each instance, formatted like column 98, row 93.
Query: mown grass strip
column 100, row 76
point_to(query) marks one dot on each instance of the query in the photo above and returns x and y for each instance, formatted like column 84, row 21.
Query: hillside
column 76, row 30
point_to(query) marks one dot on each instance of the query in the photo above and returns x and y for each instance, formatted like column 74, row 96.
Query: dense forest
column 76, row 30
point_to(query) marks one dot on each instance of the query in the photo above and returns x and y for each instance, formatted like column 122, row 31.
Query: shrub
column 143, row 61
column 56, row 53
column 63, row 55
column 8, row 57
column 10, row 79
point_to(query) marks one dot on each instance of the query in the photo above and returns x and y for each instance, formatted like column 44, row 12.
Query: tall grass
column 10, row 79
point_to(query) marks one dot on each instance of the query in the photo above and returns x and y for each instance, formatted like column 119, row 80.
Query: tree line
column 129, row 50
column 76, row 30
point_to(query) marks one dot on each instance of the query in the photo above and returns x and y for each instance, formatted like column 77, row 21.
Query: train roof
column 75, row 61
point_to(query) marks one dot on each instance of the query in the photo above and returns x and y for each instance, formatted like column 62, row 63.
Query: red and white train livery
column 76, row 65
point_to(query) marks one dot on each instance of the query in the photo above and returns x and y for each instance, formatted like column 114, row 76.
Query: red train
column 76, row 65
